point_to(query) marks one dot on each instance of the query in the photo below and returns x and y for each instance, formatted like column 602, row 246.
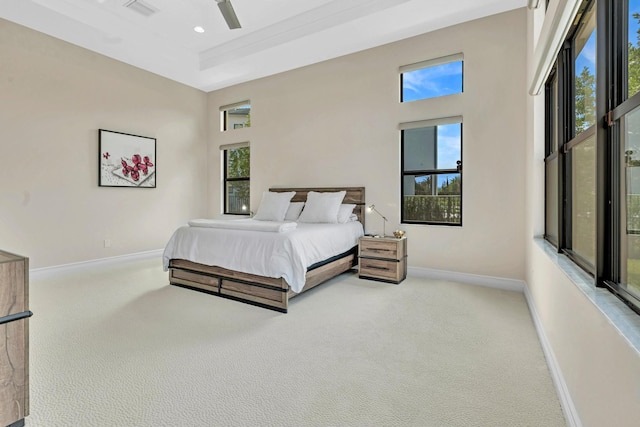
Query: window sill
column 625, row 320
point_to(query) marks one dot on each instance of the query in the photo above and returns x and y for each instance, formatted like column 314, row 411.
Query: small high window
column 430, row 79
column 235, row 116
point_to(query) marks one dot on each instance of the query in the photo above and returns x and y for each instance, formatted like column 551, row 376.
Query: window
column 570, row 160
column 432, row 171
column 236, row 161
column 624, row 133
column 592, row 159
column 430, row 79
column 235, row 116
column 551, row 161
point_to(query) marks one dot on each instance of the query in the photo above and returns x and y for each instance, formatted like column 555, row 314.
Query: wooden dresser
column 14, row 339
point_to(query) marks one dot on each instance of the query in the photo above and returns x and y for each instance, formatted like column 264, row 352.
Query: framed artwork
column 126, row 160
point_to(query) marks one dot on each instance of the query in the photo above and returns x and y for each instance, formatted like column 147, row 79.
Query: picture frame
column 126, row 160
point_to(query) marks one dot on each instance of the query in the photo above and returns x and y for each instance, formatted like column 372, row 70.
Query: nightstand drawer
column 393, row 271
column 379, row 249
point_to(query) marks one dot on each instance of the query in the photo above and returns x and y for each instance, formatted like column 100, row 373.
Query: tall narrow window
column 630, row 201
column 236, row 161
column 432, row 171
column 581, row 160
column 235, row 116
column 551, row 162
column 625, row 137
column 430, row 79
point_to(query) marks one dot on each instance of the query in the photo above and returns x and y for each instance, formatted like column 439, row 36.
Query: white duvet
column 244, row 224
column 287, row 254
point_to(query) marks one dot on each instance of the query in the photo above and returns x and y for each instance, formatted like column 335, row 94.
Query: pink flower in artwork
column 126, row 168
column 139, row 165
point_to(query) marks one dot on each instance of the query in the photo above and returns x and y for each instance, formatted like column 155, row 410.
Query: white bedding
column 245, row 224
column 287, row 254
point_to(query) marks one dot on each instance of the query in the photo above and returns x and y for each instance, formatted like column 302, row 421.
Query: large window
column 236, row 165
column 432, row 171
column 430, row 79
column 592, row 159
column 624, row 134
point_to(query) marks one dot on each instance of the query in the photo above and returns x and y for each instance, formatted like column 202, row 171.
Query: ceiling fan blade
column 229, row 14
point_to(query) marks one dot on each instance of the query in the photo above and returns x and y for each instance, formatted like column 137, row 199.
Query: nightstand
column 382, row 258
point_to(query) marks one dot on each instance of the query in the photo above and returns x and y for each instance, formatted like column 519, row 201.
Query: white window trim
column 432, row 62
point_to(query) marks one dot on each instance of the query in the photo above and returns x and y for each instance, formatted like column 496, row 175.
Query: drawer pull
column 375, row 267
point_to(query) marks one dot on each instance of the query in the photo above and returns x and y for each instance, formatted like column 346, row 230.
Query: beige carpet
column 121, row 347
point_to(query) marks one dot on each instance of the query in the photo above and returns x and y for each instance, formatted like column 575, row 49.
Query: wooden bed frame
column 267, row 292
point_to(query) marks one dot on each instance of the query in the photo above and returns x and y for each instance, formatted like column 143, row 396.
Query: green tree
column 585, row 100
column 450, row 187
column 423, row 187
column 238, row 166
column 633, row 68
column 238, row 163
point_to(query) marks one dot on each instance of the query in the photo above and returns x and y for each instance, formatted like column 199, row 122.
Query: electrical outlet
column 107, row 243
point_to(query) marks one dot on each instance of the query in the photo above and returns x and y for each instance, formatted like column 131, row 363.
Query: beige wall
column 600, row 367
column 53, row 99
column 336, row 123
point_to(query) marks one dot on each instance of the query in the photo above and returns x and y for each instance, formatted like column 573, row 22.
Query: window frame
column 226, row 179
column 433, row 172
column 567, row 141
column 616, row 67
column 443, row 60
column 224, row 115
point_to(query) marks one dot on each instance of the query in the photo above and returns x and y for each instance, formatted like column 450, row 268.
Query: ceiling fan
column 228, row 13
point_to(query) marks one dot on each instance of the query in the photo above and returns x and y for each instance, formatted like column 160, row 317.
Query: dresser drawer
column 392, row 271
column 379, row 249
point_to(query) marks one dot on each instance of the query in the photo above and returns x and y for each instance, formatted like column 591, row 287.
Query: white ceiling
column 276, row 35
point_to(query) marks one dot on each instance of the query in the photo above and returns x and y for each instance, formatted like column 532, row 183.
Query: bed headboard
column 354, row 195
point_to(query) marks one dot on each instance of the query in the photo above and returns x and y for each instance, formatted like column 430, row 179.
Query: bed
column 263, row 290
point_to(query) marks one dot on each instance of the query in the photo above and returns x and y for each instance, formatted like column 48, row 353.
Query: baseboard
column 470, row 279
column 566, row 402
column 101, row 262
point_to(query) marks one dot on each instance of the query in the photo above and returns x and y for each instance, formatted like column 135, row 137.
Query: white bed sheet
column 287, row 254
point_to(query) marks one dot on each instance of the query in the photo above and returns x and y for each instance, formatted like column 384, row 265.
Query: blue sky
column 587, row 56
column 440, row 80
column 634, row 7
column 448, row 146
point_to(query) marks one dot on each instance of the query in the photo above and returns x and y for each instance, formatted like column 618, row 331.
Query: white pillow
column 322, row 207
column 344, row 213
column 273, row 206
column 293, row 212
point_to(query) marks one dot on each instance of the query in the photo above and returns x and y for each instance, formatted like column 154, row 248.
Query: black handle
column 16, row 316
